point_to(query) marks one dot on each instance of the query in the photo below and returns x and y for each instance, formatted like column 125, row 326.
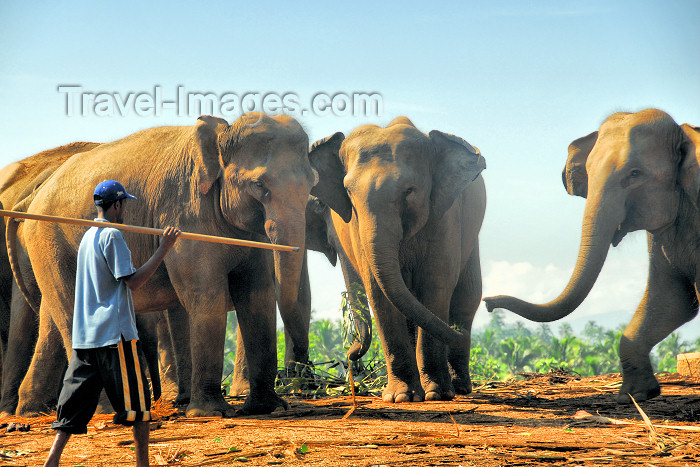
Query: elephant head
column 265, row 176
column 635, row 172
column 317, row 235
column 378, row 181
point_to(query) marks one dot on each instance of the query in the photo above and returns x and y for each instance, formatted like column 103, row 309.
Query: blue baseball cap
column 110, row 191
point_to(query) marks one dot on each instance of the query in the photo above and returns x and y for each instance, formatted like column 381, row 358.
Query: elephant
column 19, row 182
column 639, row 171
column 320, row 237
column 247, row 180
column 18, row 322
column 407, row 210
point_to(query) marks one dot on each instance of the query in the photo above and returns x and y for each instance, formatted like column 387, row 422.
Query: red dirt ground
column 536, row 421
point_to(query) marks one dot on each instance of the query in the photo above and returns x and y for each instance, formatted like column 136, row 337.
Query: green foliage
column 498, row 352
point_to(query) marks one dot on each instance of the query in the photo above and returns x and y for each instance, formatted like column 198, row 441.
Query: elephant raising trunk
column 639, row 171
column 600, row 229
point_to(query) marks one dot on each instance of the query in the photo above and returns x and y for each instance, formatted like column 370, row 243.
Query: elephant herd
column 401, row 210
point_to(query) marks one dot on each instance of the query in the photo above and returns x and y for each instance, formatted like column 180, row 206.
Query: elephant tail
column 11, row 228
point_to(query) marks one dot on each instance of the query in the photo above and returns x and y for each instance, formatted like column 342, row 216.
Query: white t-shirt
column 104, row 309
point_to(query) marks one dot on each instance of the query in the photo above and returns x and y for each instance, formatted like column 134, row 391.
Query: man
column 105, row 342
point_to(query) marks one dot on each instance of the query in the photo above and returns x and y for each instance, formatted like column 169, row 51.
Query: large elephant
column 320, row 237
column 407, row 210
column 638, row 172
column 19, row 182
column 18, row 322
column 248, row 180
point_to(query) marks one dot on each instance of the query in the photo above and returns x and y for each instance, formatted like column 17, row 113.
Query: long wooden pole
column 146, row 230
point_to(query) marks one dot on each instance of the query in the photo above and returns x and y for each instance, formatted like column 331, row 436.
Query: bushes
column 498, row 351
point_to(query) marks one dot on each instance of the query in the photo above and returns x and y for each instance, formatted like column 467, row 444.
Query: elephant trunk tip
column 355, row 351
column 460, row 341
column 494, row 303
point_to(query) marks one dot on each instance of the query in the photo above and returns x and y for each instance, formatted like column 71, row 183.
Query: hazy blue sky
column 520, row 80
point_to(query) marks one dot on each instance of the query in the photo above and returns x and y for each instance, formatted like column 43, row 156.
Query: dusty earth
column 554, row 419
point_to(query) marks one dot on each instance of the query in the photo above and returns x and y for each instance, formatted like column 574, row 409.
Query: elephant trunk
column 381, row 249
column 600, row 223
column 363, row 325
column 288, row 266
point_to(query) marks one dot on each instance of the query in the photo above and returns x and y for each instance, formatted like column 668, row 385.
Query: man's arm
column 142, row 274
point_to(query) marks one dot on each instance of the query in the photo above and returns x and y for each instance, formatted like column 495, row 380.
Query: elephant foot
column 31, row 413
column 462, row 386
column 7, row 409
column 34, row 410
column 239, row 388
column 623, row 397
column 401, row 392
column 215, row 407
column 438, row 392
column 262, row 405
column 637, row 376
column 439, row 395
column 182, row 399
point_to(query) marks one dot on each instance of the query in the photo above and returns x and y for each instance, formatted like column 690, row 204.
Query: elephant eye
column 635, row 173
column 260, row 186
column 409, row 191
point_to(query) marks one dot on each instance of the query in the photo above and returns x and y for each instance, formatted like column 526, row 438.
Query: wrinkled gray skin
column 19, row 183
column 321, row 237
column 638, row 172
column 18, row 322
column 407, row 211
column 249, row 180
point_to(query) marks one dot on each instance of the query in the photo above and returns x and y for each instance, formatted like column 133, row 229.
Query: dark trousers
column 115, row 368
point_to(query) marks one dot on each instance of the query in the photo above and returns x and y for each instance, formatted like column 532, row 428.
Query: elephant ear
column 689, row 149
column 457, row 164
column 207, row 160
column 574, row 175
column 317, row 238
column 324, row 158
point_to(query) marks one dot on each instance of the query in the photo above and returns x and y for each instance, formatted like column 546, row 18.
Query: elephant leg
column 296, row 354
column 431, row 353
column 253, row 295
column 166, row 359
column 240, row 384
column 207, row 331
column 24, row 327
column 669, row 301
column 179, row 324
column 465, row 301
column 403, row 381
column 39, row 389
column 147, row 326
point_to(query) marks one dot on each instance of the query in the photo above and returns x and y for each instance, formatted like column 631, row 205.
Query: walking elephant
column 247, row 180
column 407, row 211
column 638, row 172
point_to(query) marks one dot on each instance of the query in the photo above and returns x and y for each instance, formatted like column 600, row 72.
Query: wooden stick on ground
column 146, row 230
